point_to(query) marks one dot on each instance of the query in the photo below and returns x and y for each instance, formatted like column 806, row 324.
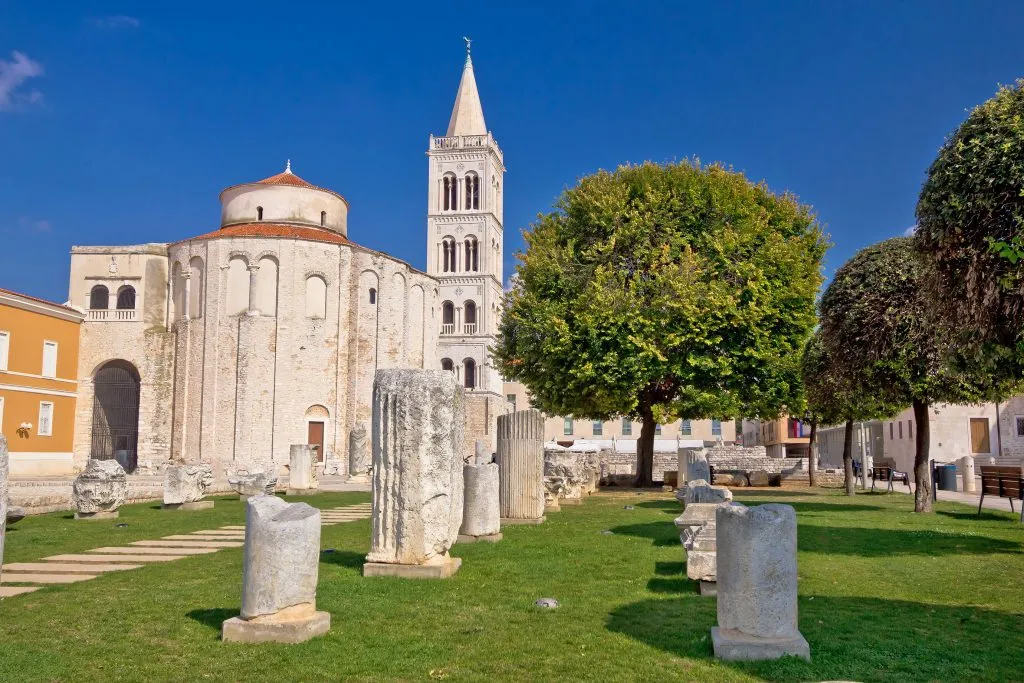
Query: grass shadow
column 670, row 505
column 987, row 515
column 768, row 493
column 867, row 542
column 673, row 586
column 662, row 533
column 851, row 638
column 344, row 558
column 669, row 568
column 213, row 618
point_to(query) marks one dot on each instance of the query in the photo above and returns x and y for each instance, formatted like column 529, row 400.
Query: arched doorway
column 115, row 414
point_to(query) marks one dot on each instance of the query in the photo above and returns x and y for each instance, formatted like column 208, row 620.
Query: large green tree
column 881, row 341
column 971, row 234
column 662, row 292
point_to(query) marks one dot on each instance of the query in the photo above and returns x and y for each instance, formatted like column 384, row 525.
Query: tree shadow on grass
column 851, row 638
column 740, row 491
column 667, row 505
column 344, row 558
column 867, row 542
column 669, row 568
column 213, row 618
column 662, row 533
column 987, row 515
column 829, row 507
column 674, row 586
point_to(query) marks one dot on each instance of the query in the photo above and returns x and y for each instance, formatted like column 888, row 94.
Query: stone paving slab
column 219, row 532
column 135, row 550
column 45, row 578
column 67, row 567
column 200, row 537
column 234, row 527
column 11, row 591
column 190, row 544
column 140, row 556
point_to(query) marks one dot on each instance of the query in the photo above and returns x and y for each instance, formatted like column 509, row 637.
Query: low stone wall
column 39, row 496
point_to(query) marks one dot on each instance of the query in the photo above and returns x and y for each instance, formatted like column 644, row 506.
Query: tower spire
column 468, row 113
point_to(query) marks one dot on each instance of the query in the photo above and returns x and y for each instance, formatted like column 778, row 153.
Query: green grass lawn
column 884, row 595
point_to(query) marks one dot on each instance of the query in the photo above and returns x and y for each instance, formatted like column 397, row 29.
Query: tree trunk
column 645, row 450
column 812, row 454
column 851, row 482
column 922, row 471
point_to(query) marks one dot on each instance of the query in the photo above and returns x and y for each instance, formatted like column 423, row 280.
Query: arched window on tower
column 99, row 297
column 469, row 373
column 472, row 191
column 472, row 254
column 126, row 298
column 470, row 313
column 259, row 213
column 447, row 364
column 448, row 255
column 449, row 192
column 447, row 318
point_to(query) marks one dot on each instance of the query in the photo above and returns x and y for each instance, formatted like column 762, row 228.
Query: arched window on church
column 316, row 297
column 447, row 318
column 472, row 254
column 99, row 297
column 323, row 218
column 470, row 313
column 197, row 273
column 373, row 295
column 447, row 364
column 472, row 191
column 259, row 213
column 469, row 373
column 448, row 255
column 449, row 192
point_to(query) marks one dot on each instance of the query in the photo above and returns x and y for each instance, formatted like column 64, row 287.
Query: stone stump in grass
column 302, row 462
column 186, row 485
column 358, row 455
column 279, row 575
column 481, row 513
column 521, row 467
column 693, row 464
column 99, row 490
column 4, row 469
column 757, row 584
column 417, row 480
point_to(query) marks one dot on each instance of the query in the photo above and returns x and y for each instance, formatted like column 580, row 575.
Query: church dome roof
column 288, row 178
column 295, row 232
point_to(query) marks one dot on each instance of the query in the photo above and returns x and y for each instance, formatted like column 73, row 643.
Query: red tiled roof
column 294, row 232
column 287, row 178
column 37, row 299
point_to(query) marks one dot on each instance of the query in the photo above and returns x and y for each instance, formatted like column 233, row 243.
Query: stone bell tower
column 464, row 239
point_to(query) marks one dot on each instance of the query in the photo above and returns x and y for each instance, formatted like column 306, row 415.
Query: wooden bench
column 1004, row 482
column 884, row 469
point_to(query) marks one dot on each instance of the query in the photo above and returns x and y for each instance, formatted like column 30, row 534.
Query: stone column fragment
column 301, row 477
column 358, row 455
column 481, row 513
column 757, row 584
column 99, row 490
column 693, row 464
column 185, row 486
column 4, row 469
column 417, row 485
column 521, row 467
column 279, row 575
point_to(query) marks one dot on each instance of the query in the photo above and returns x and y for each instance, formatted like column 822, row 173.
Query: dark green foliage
column 662, row 292
column 971, row 231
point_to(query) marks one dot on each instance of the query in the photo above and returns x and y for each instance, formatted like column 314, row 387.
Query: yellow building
column 38, row 386
column 785, row 437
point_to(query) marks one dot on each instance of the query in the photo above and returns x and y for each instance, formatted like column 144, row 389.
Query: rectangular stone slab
column 11, row 591
column 67, row 567
column 100, row 559
column 413, row 571
column 234, row 528
column 237, row 630
column 734, row 646
column 190, row 544
column 220, row 532
column 45, row 578
column 135, row 550
column 201, row 537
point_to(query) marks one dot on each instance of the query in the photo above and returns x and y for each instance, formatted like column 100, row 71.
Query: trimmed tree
column 970, row 233
column 880, row 340
column 663, row 292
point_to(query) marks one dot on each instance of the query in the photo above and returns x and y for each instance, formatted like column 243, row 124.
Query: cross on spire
column 288, row 166
column 468, row 46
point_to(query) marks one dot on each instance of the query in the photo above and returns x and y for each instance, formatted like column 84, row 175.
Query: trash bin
column 945, row 476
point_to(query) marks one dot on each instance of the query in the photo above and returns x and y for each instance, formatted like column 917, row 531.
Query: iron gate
column 115, row 414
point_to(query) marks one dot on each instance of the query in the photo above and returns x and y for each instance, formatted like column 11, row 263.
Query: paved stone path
column 71, row 568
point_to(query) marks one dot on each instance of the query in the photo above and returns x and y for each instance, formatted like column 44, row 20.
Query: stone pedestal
column 693, row 464
column 302, row 463
column 100, row 488
column 4, row 469
column 249, row 484
column 966, row 464
column 279, row 575
column 481, row 515
column 571, row 468
column 358, row 455
column 757, row 584
column 417, row 480
column 697, row 532
column 699, row 491
column 185, row 485
column 521, row 467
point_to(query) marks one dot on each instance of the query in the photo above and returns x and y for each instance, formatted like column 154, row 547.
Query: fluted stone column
column 358, row 455
column 757, row 584
column 481, row 516
column 417, row 480
column 279, row 575
column 693, row 464
column 4, row 469
column 301, row 475
column 521, row 467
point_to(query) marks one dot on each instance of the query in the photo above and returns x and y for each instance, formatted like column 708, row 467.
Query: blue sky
column 121, row 122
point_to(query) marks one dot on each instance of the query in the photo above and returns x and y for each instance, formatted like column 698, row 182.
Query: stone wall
column 722, row 458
